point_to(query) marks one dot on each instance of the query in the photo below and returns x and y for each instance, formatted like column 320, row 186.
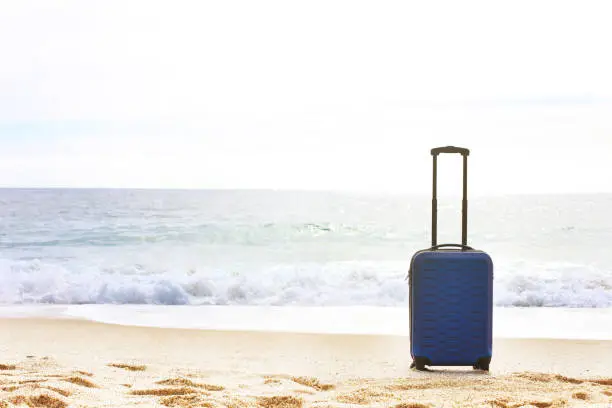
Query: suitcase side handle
column 463, row 247
column 434, row 201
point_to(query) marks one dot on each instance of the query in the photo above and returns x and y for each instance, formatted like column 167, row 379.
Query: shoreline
column 509, row 323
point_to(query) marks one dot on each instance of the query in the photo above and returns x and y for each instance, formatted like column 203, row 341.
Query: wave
column 304, row 284
column 554, row 285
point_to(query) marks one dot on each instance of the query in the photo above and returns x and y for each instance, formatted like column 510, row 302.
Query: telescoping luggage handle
column 434, row 202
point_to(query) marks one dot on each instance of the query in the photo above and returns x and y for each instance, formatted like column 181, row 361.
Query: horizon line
column 304, row 190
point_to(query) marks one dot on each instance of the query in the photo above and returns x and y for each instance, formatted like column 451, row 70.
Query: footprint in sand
column 540, row 377
column 182, row 392
column 63, row 393
column 129, row 367
column 80, row 381
column 537, row 404
column 313, row 382
column 13, row 388
column 188, row 383
column 42, row 400
column 278, row 401
column 363, row 396
column 184, row 401
column 7, row 367
column 36, row 381
column 581, row 395
column 164, row 392
column 305, row 392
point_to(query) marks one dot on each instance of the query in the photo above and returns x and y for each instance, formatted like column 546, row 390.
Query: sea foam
column 350, row 283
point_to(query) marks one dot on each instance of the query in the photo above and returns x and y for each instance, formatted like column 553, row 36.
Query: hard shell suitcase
column 451, row 295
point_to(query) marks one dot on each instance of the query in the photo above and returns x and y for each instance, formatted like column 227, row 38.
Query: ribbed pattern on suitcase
column 452, row 306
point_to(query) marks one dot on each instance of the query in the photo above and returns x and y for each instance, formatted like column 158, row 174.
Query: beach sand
column 77, row 363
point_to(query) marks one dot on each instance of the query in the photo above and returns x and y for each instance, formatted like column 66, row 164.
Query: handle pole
column 434, row 201
column 434, row 204
column 464, row 209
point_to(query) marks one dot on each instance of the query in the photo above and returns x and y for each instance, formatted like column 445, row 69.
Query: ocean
column 64, row 248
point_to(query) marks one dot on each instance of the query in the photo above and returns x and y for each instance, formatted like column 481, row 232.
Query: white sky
column 318, row 94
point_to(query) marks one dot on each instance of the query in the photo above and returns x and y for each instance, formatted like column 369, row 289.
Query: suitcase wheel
column 482, row 364
column 419, row 363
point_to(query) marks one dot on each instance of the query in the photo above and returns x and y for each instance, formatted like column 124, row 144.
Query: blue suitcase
column 451, row 295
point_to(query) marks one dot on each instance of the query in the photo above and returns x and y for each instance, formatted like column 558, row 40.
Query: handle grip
column 450, row 149
column 463, row 247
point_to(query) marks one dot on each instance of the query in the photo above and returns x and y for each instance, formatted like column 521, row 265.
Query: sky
column 341, row 95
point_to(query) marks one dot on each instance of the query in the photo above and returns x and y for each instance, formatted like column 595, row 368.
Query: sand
column 75, row 363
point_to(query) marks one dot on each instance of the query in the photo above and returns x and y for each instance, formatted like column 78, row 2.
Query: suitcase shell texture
column 451, row 307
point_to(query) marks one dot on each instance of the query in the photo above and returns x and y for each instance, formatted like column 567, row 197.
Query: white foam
column 351, row 283
column 552, row 285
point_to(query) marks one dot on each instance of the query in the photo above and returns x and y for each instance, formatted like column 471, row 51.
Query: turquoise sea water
column 289, row 248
